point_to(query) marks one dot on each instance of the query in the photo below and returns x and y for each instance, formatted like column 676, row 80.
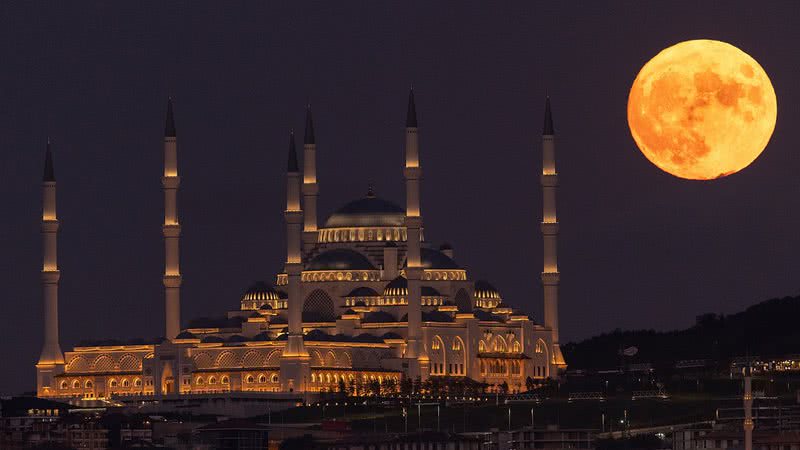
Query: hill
column 769, row 328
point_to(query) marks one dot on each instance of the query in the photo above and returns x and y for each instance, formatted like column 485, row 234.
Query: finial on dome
column 411, row 115
column 309, row 135
column 370, row 191
column 548, row 119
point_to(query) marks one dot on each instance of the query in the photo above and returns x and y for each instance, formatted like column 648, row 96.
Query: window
column 212, row 380
column 126, row 383
column 250, row 379
column 225, row 380
column 274, row 378
column 262, row 378
column 199, row 380
column 89, row 384
column 137, row 382
column 64, row 385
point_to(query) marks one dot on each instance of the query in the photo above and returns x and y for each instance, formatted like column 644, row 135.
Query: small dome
column 263, row 336
column 349, row 311
column 379, row 316
column 436, row 316
column 185, row 335
column 391, row 335
column 396, row 287
column 363, row 291
column 212, row 340
column 434, row 259
column 317, row 335
column 260, row 291
column 265, row 306
column 340, row 259
column 237, row 338
column 484, row 289
column 369, row 211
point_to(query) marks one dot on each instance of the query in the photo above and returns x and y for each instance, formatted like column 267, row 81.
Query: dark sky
column 638, row 248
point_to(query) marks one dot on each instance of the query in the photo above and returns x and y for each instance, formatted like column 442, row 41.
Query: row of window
column 361, row 234
column 499, row 367
column 452, row 369
column 382, row 301
column 88, row 384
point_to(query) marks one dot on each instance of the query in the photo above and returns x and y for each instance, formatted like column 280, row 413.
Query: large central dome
column 369, row 211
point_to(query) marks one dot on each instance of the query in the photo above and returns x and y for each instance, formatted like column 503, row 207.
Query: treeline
column 769, row 328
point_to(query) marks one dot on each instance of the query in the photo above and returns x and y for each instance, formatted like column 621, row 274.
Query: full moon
column 702, row 109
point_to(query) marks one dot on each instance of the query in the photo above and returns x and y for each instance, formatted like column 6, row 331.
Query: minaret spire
column 171, row 229
column 548, row 130
column 310, row 187
column 295, row 359
column 549, row 227
column 415, row 350
column 49, row 173
column 51, row 361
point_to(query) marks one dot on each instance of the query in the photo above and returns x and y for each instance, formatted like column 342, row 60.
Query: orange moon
column 702, row 109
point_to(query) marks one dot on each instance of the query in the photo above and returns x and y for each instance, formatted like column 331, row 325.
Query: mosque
column 363, row 298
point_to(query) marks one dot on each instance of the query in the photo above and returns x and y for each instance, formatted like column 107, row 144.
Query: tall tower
column 413, row 174
column 295, row 360
column 310, row 187
column 171, row 229
column 51, row 361
column 748, row 408
column 550, row 274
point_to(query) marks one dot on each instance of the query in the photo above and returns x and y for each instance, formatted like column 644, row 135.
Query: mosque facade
column 363, row 299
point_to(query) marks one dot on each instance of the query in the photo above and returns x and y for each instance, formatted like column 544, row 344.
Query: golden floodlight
column 702, row 109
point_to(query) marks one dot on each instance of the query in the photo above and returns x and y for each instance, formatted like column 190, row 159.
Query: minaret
column 310, row 187
column 51, row 361
column 550, row 274
column 748, row 408
column 295, row 361
column 171, row 229
column 413, row 174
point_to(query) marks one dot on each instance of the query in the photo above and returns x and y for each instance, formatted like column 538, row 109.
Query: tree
column 504, row 387
column 406, row 386
column 529, row 383
column 342, row 387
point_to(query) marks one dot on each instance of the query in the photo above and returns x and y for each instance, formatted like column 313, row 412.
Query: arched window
column 516, row 348
column 64, row 385
column 199, row 380
column 126, row 382
column 481, row 347
column 137, row 382
column 225, row 380
column 262, row 378
column 318, row 307
column 274, row 377
column 89, row 384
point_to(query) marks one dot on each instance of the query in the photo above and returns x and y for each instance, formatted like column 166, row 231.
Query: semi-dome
column 434, row 259
column 484, row 289
column 340, row 259
column 363, row 291
column 396, row 287
column 260, row 291
column 370, row 211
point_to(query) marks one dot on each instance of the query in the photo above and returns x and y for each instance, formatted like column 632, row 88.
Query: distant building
column 363, row 301
column 549, row 437
column 234, row 434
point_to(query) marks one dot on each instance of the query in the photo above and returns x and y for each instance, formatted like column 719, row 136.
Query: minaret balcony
column 549, row 179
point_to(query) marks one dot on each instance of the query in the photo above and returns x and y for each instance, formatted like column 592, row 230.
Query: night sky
column 638, row 248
